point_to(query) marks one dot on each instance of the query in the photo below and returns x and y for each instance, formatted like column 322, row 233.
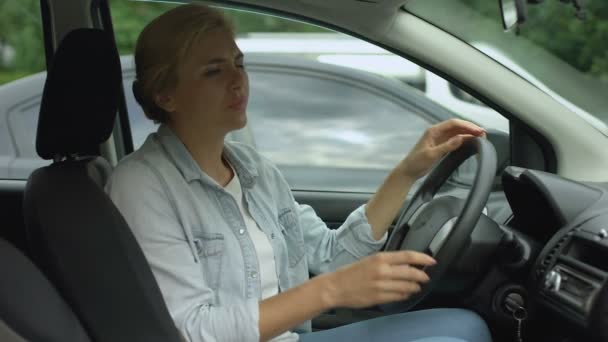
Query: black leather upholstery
column 80, row 96
column 30, row 305
column 76, row 235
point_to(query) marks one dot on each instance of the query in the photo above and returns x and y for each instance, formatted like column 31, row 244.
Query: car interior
column 528, row 251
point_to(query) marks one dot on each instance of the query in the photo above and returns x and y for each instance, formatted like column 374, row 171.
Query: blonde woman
column 228, row 244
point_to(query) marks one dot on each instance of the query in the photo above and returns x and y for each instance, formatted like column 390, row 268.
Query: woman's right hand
column 380, row 278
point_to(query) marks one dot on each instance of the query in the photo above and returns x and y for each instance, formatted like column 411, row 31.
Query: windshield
column 560, row 54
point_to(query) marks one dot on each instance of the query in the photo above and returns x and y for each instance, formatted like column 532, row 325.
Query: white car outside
column 342, row 50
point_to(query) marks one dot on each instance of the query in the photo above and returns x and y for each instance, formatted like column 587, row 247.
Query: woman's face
column 213, row 87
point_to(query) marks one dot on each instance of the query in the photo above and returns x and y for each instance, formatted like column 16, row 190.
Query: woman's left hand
column 437, row 141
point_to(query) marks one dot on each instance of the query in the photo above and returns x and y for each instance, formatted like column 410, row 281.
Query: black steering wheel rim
column 423, row 208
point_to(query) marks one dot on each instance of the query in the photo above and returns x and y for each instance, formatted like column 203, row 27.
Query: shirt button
column 254, row 275
column 241, row 231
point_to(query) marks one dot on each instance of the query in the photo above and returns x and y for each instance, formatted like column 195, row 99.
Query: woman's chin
column 239, row 121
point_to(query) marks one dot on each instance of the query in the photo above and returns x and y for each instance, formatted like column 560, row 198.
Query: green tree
column 130, row 17
column 553, row 25
column 581, row 43
column 21, row 31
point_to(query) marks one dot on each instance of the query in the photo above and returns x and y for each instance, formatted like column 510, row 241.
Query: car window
column 312, row 126
column 310, row 120
column 21, row 82
column 554, row 50
column 295, row 120
column 22, row 79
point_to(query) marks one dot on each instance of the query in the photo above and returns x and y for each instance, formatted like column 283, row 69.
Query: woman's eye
column 212, row 72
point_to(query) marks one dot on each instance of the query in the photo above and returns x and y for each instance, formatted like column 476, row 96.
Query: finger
column 409, row 258
column 405, row 272
column 453, row 144
column 389, row 297
column 401, row 287
column 456, row 126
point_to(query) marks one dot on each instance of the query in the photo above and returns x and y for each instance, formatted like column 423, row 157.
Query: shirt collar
column 187, row 166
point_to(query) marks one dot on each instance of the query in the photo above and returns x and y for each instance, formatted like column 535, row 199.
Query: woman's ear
column 165, row 101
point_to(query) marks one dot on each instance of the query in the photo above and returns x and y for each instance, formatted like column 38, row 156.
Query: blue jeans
column 436, row 325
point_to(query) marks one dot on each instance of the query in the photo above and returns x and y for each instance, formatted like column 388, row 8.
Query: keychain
column 519, row 314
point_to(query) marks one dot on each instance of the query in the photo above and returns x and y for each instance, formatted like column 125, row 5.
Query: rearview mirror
column 513, row 12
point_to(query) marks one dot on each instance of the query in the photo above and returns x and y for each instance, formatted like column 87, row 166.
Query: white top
column 211, row 290
column 268, row 273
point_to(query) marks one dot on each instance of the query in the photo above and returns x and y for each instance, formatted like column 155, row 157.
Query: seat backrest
column 9, row 335
column 30, row 306
column 77, row 236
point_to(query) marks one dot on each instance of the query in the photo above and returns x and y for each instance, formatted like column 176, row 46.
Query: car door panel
column 11, row 202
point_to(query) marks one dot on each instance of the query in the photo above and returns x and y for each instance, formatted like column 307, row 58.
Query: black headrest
column 81, row 95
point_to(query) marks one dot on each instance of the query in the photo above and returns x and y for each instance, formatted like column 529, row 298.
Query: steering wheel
column 441, row 226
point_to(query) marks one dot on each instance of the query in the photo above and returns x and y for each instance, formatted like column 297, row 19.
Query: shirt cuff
column 359, row 239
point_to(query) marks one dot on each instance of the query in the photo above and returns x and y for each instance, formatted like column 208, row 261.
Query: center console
column 571, row 273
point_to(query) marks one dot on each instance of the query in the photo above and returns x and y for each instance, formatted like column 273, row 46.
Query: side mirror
column 513, row 12
column 465, row 174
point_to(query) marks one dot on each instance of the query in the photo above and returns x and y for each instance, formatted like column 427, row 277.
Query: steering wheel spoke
column 408, row 216
column 441, row 227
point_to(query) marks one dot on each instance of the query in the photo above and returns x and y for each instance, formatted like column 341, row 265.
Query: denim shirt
column 195, row 240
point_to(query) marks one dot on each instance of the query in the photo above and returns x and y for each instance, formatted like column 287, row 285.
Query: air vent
column 550, row 258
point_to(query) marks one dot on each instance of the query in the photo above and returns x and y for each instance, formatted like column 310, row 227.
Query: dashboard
column 570, row 221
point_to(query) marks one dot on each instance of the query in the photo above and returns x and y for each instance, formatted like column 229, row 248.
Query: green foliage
column 10, row 75
column 130, row 17
column 21, row 30
column 554, row 26
column 582, row 44
column 246, row 22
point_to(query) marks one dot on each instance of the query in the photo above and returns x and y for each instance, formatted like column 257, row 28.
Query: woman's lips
column 238, row 104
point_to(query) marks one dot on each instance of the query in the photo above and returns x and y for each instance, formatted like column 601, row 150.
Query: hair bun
column 137, row 91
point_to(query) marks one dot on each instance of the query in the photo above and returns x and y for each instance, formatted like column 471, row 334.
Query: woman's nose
column 238, row 78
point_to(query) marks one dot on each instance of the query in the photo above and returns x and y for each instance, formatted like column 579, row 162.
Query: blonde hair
column 162, row 45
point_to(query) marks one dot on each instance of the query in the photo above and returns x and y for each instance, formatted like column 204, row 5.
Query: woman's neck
column 206, row 149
